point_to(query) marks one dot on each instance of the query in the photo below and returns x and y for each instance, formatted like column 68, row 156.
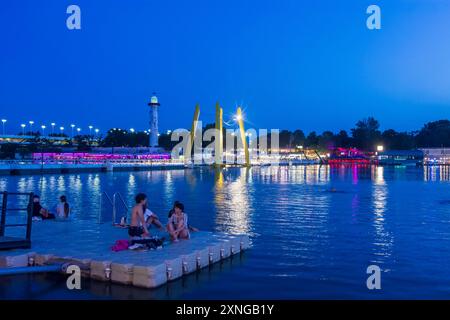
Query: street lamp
column 43, row 130
column 90, row 130
column 31, row 126
column 3, row 123
column 72, row 126
column 380, row 148
column 96, row 131
column 61, row 129
column 53, row 127
column 78, row 130
column 132, row 130
column 23, row 125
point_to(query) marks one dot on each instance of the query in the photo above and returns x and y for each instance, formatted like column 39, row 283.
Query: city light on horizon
column 3, row 124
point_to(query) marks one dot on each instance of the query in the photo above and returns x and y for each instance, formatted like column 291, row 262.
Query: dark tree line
column 366, row 135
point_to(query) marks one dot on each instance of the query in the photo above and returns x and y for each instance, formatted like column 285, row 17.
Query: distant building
column 401, row 157
column 436, row 156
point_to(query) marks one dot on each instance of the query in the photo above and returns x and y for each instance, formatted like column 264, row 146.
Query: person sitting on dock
column 152, row 218
column 138, row 227
column 40, row 212
column 62, row 208
column 178, row 223
column 171, row 212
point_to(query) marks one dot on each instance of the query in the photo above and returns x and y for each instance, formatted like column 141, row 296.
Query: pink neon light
column 81, row 156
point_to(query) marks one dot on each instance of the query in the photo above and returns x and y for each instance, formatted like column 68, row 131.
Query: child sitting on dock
column 178, row 223
column 39, row 212
column 138, row 227
column 172, row 211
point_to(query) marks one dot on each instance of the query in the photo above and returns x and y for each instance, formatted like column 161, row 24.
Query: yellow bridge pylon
column 218, row 143
column 188, row 150
column 218, row 152
column 240, row 119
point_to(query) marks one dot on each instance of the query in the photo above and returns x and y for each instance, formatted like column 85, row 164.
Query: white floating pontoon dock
column 89, row 244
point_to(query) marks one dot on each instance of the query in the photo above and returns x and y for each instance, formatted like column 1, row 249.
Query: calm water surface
column 315, row 230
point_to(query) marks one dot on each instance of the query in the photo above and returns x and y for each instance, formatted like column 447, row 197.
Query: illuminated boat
column 350, row 156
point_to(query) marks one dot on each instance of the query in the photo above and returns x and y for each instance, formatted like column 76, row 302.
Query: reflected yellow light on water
column 378, row 175
column 383, row 240
column 218, row 178
column 232, row 203
column 168, row 184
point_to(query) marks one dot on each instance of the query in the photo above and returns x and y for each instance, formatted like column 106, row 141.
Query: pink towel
column 120, row 245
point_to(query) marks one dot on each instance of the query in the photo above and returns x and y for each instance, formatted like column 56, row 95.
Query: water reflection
column 232, row 202
column 383, row 241
column 294, row 174
column 436, row 173
column 168, row 184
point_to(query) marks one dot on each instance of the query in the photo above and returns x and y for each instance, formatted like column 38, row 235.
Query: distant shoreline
column 34, row 169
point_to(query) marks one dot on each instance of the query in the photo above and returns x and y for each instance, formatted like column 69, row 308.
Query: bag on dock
column 152, row 243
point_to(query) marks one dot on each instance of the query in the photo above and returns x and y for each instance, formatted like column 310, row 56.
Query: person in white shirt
column 152, row 218
column 62, row 208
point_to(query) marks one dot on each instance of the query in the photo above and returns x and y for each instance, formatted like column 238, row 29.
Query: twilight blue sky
column 292, row 64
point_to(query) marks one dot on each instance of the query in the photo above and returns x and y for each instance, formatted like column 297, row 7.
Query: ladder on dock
column 112, row 202
column 7, row 242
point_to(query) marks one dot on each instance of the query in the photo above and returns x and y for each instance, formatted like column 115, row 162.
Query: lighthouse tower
column 154, row 104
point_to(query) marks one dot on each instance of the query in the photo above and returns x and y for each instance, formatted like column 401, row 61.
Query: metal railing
column 105, row 199
column 118, row 196
column 114, row 203
column 25, row 242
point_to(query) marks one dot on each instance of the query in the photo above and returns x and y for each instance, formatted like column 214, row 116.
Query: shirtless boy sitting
column 138, row 227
